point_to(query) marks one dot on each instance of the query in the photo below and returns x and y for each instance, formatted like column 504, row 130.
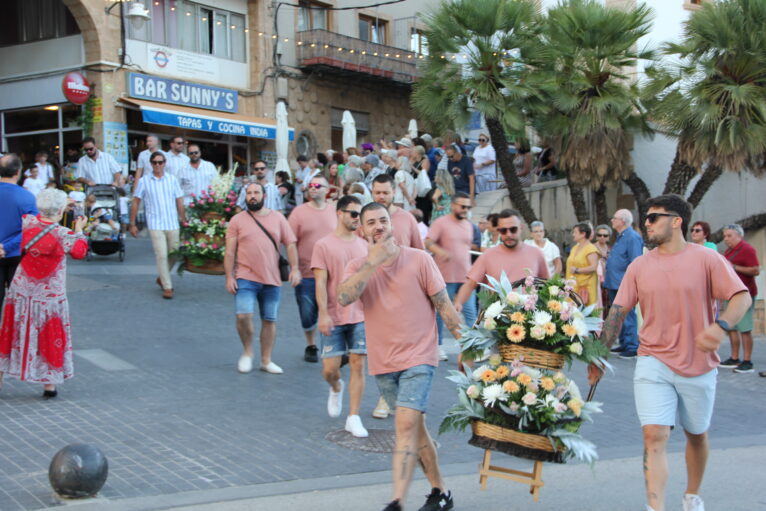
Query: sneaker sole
column 743, row 371
column 727, row 366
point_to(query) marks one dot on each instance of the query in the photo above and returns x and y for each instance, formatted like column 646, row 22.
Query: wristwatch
column 723, row 324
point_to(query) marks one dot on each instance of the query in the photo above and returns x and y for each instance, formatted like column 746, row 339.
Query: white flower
column 494, row 310
column 472, row 392
column 553, row 290
column 492, row 393
column 529, row 398
column 478, row 372
column 560, row 407
column 514, row 407
column 574, row 390
column 531, row 371
column 490, row 324
column 577, row 314
column 513, row 298
column 559, row 377
column 541, row 317
column 495, row 360
column 576, row 348
column 579, row 324
column 537, row 332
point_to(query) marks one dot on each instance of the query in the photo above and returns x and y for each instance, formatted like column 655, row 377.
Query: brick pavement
column 185, row 420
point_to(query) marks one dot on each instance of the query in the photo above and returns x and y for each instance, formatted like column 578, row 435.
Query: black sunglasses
column 462, row 206
column 602, row 235
column 193, row 152
column 158, row 162
column 354, row 214
column 505, row 230
column 697, row 230
column 259, row 168
column 89, row 149
column 652, row 217
column 482, row 140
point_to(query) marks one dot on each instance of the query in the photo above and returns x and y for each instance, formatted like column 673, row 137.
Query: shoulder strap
column 38, row 237
column 265, row 231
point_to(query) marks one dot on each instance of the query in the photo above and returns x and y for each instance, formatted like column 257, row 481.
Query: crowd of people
column 384, row 231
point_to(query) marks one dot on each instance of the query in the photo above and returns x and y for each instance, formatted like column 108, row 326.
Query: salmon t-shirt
column 257, row 259
column 514, row 262
column 310, row 225
column 406, row 232
column 399, row 318
column 332, row 254
column 455, row 236
column 676, row 293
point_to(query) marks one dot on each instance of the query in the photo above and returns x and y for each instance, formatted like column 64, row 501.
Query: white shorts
column 661, row 394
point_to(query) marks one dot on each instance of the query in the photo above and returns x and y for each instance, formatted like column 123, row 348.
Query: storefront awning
column 206, row 120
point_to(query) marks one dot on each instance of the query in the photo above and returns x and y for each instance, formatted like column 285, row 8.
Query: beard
column 255, row 206
column 510, row 243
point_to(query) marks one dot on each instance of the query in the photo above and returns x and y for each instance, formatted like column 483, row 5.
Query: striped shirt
column 159, row 196
column 193, row 181
column 101, row 170
column 143, row 160
column 273, row 199
column 175, row 162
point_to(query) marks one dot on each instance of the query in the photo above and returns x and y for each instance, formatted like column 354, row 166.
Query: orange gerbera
column 547, row 383
column 516, row 333
column 488, row 376
column 511, row 386
column 518, row 317
column 524, row 379
column 554, row 305
column 550, row 328
column 569, row 330
column 502, row 372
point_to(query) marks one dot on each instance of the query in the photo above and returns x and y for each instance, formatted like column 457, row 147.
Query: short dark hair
column 301, row 158
column 263, row 189
column 383, row 178
column 10, row 165
column 460, row 195
column 158, row 153
column 322, row 158
column 283, row 175
column 87, row 140
column 174, row 137
column 193, row 144
column 584, row 228
column 673, row 203
column 256, row 162
column 492, row 219
column 370, row 207
column 508, row 213
column 344, row 201
column 705, row 227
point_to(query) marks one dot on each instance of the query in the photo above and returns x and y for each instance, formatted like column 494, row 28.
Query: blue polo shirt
column 627, row 247
column 15, row 202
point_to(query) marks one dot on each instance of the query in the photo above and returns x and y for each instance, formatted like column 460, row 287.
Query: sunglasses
column 461, row 206
column 158, row 162
column 316, row 186
column 602, row 235
column 193, row 152
column 506, row 230
column 89, row 149
column 482, row 140
column 354, row 214
column 652, row 217
column 697, row 230
column 259, row 168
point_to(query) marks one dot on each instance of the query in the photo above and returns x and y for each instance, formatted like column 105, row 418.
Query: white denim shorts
column 662, row 394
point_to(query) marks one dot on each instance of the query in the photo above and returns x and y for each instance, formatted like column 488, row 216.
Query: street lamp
column 137, row 13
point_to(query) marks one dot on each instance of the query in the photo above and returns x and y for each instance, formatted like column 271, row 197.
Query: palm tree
column 590, row 107
column 714, row 101
column 475, row 65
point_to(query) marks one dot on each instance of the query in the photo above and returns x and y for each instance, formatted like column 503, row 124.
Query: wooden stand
column 533, row 479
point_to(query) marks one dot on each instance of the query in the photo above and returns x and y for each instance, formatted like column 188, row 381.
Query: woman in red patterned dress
column 35, row 339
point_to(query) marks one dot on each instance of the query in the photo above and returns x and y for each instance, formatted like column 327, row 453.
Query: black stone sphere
column 78, row 470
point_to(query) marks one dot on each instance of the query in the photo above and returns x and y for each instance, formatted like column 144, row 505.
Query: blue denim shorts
column 661, row 394
column 409, row 388
column 344, row 339
column 268, row 299
column 305, row 295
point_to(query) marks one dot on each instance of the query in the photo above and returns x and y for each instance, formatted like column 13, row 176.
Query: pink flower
column 192, row 204
column 203, row 245
column 193, row 194
column 529, row 281
column 210, row 201
column 220, row 201
column 214, row 246
column 227, row 210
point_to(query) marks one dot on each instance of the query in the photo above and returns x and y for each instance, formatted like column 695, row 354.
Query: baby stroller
column 105, row 236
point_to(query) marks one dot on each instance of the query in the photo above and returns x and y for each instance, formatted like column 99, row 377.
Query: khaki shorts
column 745, row 324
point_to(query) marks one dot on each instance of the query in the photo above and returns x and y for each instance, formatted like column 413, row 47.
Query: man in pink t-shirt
column 341, row 329
column 311, row 222
column 676, row 285
column 511, row 256
column 449, row 240
column 251, row 264
column 401, row 290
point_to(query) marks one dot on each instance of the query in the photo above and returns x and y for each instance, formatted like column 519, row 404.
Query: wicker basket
column 515, row 443
column 533, row 357
column 211, row 267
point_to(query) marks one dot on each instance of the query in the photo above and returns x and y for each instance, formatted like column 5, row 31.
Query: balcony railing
column 338, row 53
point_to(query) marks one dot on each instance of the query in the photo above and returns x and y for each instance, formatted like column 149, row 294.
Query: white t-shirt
column 44, row 171
column 402, row 176
column 481, row 155
column 35, row 185
column 77, row 196
column 550, row 251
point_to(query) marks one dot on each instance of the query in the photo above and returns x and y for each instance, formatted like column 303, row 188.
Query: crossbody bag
column 284, row 266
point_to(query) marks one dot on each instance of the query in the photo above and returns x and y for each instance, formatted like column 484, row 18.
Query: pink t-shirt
column 310, row 225
column 332, row 254
column 676, row 293
column 406, row 232
column 257, row 259
column 455, row 236
column 514, row 262
column 399, row 318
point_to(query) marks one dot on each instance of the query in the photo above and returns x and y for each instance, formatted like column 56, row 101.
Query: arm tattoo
column 447, row 311
column 613, row 324
column 349, row 292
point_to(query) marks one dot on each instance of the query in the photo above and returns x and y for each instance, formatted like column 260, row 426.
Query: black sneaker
column 762, row 374
column 393, row 506
column 437, row 500
column 729, row 363
column 618, row 349
column 745, row 367
column 311, row 354
column 628, row 355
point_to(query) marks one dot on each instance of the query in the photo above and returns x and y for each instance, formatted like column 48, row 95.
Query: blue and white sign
column 177, row 92
column 211, row 123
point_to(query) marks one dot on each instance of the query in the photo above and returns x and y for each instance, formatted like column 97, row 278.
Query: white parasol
column 349, row 130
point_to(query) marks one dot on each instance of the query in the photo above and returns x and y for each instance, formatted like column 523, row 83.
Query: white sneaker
column 442, row 354
column 245, row 364
column 335, row 401
column 354, row 426
column 381, row 410
column 693, row 503
column 272, row 368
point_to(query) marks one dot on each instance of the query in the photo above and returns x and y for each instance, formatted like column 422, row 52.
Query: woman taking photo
column 582, row 264
column 35, row 338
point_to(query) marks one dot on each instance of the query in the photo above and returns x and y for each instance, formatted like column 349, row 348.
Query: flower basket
column 533, row 357
column 212, row 215
column 201, row 236
column 208, row 267
column 515, row 443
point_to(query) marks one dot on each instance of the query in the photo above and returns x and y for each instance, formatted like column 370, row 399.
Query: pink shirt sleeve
column 318, row 257
column 435, row 232
column 724, row 280
column 286, row 235
column 477, row 271
column 431, row 278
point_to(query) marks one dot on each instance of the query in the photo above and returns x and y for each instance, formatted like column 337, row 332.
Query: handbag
column 422, row 184
column 284, row 266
